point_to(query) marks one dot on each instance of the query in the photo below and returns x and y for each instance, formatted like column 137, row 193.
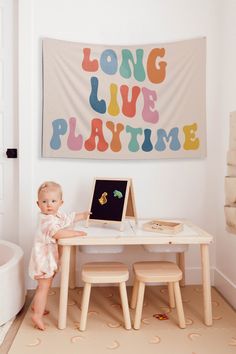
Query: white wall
column 175, row 188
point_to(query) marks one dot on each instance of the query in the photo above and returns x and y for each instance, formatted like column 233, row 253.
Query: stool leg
column 125, row 305
column 84, row 306
column 179, row 305
column 171, row 295
column 139, row 305
column 180, row 260
column 134, row 294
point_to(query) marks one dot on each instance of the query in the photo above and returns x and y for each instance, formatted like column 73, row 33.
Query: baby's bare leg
column 40, row 300
column 46, row 312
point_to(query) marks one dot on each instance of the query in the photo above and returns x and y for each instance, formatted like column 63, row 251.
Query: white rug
column 4, row 329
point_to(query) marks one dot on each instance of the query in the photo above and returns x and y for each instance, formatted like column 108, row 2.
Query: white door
column 8, row 122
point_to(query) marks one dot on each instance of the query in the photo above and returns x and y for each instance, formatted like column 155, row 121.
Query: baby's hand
column 85, row 214
column 81, row 233
column 82, row 216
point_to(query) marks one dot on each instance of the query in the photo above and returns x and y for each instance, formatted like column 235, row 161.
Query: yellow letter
column 113, row 108
column 191, row 143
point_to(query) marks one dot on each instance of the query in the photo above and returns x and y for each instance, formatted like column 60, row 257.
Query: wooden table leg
column 180, row 259
column 65, row 268
column 206, row 281
column 72, row 279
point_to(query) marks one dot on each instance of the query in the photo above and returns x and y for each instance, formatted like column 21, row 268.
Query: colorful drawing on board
column 103, row 200
column 117, row 194
column 106, row 207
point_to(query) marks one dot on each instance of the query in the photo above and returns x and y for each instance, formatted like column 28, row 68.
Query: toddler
column 44, row 260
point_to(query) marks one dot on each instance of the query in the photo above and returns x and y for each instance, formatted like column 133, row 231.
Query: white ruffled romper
column 44, row 260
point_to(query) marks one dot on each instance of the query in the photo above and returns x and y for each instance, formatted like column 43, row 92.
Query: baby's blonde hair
column 50, row 185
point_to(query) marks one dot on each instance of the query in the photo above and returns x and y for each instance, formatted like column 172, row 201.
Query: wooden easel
column 129, row 208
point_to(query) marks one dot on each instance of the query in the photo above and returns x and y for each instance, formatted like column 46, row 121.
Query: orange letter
column 129, row 108
column 115, row 143
column 156, row 75
column 90, row 143
column 87, row 64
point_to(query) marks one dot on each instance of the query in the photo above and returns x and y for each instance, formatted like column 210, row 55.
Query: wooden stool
column 149, row 272
column 104, row 272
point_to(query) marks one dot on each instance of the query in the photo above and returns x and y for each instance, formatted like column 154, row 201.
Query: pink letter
column 148, row 113
column 74, row 142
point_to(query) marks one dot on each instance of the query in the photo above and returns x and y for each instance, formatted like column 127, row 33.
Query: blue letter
column 173, row 134
column 98, row 106
column 147, row 145
column 59, row 128
column 108, row 62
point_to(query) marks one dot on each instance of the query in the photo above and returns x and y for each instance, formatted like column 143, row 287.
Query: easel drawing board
column 112, row 201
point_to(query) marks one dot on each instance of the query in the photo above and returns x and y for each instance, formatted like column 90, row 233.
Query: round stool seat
column 105, row 272
column 157, row 271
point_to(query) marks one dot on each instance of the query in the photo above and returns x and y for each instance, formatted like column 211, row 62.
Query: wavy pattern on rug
column 105, row 332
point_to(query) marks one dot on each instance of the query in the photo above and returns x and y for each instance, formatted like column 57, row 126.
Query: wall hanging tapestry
column 124, row 102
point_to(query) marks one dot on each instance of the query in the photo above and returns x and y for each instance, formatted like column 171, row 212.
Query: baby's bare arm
column 65, row 233
column 81, row 216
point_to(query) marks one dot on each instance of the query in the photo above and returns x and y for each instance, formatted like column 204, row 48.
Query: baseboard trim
column 225, row 286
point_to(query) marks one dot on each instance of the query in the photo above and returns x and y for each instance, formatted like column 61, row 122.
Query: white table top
column 110, row 234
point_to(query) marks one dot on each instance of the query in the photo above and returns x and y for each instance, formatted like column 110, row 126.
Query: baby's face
column 49, row 202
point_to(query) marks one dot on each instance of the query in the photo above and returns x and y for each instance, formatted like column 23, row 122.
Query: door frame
column 26, row 116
